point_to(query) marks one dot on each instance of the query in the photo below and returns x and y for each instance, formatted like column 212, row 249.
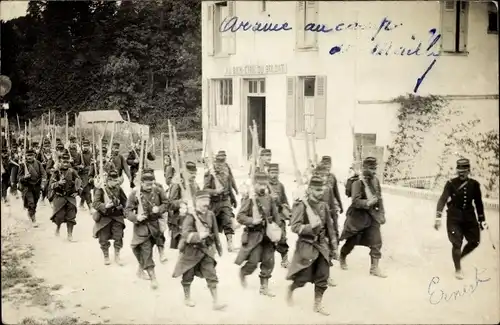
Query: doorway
column 256, row 111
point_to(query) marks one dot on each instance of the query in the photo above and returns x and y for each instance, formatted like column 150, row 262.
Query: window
column 307, row 12
column 454, row 22
column 256, row 86
column 492, row 18
column 218, row 42
column 306, row 106
column 224, row 115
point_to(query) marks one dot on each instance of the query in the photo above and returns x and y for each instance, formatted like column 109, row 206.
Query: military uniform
column 6, row 182
column 109, row 216
column 316, row 241
column 201, row 238
column 232, row 181
column 32, row 181
column 117, row 162
column 86, row 167
column 277, row 192
column 256, row 246
column 64, row 186
column 221, row 203
column 458, row 194
column 364, row 218
column 146, row 226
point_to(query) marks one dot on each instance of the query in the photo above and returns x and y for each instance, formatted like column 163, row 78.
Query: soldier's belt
column 461, row 208
column 219, row 198
column 256, row 228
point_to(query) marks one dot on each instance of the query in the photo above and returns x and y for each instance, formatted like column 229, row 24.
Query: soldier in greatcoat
column 133, row 162
column 146, row 225
column 316, row 240
column 175, row 218
column 8, row 166
column 364, row 217
column 14, row 158
column 458, row 194
column 169, row 170
column 222, row 200
column 64, row 186
column 109, row 215
column 256, row 246
column 85, row 170
column 332, row 182
column 222, row 154
column 49, row 165
column 200, row 240
column 117, row 162
column 31, row 182
column 278, row 194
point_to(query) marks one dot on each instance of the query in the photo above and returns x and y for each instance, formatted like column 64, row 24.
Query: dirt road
column 414, row 256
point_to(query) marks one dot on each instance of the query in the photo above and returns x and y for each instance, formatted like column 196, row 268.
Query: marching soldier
column 175, row 198
column 461, row 220
column 277, row 191
column 200, row 240
column 8, row 166
column 257, row 247
column 146, row 225
column 169, row 170
column 85, row 171
column 63, row 188
column 223, row 156
column 332, row 182
column 117, row 162
column 133, row 162
column 15, row 168
column 316, row 241
column 162, row 221
column 364, row 218
column 32, row 179
column 221, row 200
column 108, row 216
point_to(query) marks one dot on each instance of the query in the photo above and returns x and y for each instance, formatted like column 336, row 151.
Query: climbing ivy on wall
column 416, row 115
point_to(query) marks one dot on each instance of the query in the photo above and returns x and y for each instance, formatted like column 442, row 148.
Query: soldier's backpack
column 348, row 184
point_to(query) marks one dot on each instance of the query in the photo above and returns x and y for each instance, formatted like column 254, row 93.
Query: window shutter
column 300, row 119
column 206, row 103
column 464, row 25
column 300, row 12
column 311, row 16
column 210, row 29
column 320, row 107
column 231, row 8
column 290, row 106
column 448, row 26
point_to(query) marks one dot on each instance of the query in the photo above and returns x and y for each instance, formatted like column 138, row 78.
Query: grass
column 53, row 321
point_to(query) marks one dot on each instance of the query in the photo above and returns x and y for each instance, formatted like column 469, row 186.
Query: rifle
column 210, row 163
column 162, row 149
column 255, row 209
column 176, row 161
column 315, row 155
column 171, row 141
column 67, row 130
column 140, row 208
column 18, row 125
column 43, row 132
column 314, row 219
column 24, row 156
column 30, row 134
column 110, row 144
column 129, row 124
column 101, row 182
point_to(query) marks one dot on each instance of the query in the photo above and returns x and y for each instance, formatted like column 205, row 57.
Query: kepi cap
column 463, row 164
column 202, row 195
column 370, row 162
column 316, row 181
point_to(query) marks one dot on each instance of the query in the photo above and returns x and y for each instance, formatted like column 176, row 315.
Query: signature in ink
column 437, row 295
column 385, row 49
column 422, row 77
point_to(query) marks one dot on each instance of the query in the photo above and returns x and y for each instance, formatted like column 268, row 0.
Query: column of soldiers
column 196, row 222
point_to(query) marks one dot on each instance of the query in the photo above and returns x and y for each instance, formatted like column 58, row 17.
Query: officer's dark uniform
column 461, row 218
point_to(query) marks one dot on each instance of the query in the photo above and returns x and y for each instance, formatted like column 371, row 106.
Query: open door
column 256, row 111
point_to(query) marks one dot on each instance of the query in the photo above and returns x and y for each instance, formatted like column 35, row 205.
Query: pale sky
column 12, row 9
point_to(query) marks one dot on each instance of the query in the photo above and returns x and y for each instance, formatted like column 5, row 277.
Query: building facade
column 332, row 69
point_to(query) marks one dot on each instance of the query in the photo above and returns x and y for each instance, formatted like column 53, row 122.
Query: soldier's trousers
column 13, row 184
column 144, row 253
column 206, row 268
column 370, row 237
column 86, row 195
column 132, row 177
column 263, row 254
column 5, row 184
column 224, row 215
column 318, row 273
column 31, row 195
column 282, row 246
column 335, row 219
column 66, row 214
column 112, row 231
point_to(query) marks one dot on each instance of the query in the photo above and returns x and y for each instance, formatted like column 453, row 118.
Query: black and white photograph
column 249, row 162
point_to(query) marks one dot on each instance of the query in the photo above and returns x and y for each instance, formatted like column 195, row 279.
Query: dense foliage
column 138, row 56
column 432, row 134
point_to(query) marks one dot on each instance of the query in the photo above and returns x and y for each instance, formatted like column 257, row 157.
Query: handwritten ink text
column 233, row 25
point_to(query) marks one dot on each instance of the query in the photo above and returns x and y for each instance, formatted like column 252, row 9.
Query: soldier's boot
column 215, row 300
column 58, row 230
column 284, row 261
column 33, row 219
column 243, row 279
column 82, row 206
column 106, row 256
column 118, row 260
column 161, row 251
column 187, row 296
column 289, row 294
column 459, row 274
column 318, row 305
column 375, row 270
column 70, row 232
column 230, row 246
column 331, row 282
column 141, row 275
column 343, row 262
column 89, row 205
column 264, row 288
column 152, row 276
